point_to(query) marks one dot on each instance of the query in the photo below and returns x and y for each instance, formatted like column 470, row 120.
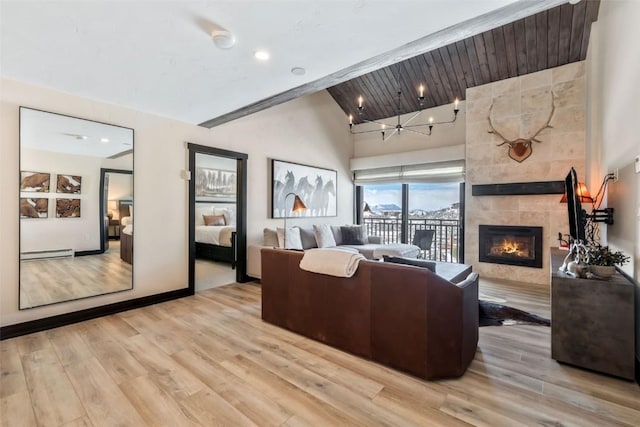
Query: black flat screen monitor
column 576, row 217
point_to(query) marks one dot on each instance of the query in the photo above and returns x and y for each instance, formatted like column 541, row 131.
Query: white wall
column 371, row 144
column 614, row 137
column 120, row 186
column 79, row 234
column 306, row 130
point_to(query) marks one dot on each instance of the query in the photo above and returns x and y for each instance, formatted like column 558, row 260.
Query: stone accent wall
column 521, row 105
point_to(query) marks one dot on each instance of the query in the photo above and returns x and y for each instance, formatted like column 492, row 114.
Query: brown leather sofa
column 405, row 317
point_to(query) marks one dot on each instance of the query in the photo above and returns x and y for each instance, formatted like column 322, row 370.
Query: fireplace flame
column 509, row 247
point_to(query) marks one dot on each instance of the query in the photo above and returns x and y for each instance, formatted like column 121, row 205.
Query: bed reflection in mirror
column 76, row 204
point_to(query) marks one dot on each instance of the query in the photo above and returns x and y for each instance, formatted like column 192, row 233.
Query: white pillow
column 131, row 211
column 324, row 236
column 229, row 215
column 202, row 210
column 293, row 238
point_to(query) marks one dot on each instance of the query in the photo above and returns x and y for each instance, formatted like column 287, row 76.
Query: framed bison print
column 35, row 181
column 67, row 208
column 69, row 184
column 34, row 207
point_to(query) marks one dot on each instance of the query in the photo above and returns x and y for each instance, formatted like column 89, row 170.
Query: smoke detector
column 223, row 39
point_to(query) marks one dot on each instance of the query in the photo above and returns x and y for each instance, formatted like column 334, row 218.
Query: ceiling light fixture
column 262, row 55
column 104, row 140
column 399, row 127
column 224, row 39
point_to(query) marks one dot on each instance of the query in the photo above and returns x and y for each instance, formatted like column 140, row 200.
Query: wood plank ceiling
column 547, row 39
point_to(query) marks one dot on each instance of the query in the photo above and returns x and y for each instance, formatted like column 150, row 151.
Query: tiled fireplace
column 518, row 107
column 511, row 245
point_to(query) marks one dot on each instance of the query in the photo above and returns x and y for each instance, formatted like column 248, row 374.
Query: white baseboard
column 54, row 253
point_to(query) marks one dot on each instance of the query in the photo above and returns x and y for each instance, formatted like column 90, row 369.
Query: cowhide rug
column 494, row 314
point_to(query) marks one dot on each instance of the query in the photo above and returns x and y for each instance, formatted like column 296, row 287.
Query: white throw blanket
column 331, row 261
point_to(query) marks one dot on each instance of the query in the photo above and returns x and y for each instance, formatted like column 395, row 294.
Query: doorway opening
column 217, row 217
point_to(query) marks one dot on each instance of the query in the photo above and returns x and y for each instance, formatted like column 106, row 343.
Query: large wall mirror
column 76, row 208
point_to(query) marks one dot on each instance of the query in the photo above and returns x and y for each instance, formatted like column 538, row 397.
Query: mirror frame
column 101, row 223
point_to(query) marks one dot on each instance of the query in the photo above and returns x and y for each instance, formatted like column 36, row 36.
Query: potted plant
column 602, row 261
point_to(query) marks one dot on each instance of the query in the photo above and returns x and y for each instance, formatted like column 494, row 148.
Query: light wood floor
column 210, row 360
column 47, row 281
column 213, row 274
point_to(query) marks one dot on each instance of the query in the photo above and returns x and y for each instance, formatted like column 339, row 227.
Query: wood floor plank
column 207, row 408
column 16, row 410
column 79, row 422
column 33, row 342
column 156, row 406
column 11, row 373
column 53, row 398
column 120, row 365
column 69, row 345
column 308, row 408
column 173, row 378
column 253, row 404
column 105, row 403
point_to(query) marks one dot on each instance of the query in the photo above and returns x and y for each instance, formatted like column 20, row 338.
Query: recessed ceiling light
column 262, row 55
column 298, row 71
column 104, row 140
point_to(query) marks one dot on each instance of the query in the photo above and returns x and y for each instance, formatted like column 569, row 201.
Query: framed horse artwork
column 315, row 186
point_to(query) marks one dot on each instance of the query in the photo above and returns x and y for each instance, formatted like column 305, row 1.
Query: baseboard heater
column 53, row 253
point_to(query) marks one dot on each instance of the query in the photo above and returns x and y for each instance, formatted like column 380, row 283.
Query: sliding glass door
column 428, row 215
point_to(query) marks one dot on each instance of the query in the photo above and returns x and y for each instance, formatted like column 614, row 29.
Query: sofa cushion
column 293, row 238
column 337, row 234
column 307, row 236
column 366, row 250
column 410, row 261
column 324, row 236
column 354, row 235
column 270, row 237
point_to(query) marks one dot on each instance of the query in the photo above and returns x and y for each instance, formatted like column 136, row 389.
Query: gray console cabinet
column 592, row 321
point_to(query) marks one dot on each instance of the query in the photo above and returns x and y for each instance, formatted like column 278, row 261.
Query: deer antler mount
column 520, row 149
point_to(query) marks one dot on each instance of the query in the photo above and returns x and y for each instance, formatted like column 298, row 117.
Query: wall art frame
column 35, row 182
column 68, row 184
column 215, row 185
column 316, row 187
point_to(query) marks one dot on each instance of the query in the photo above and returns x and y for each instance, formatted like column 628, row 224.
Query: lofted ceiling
column 544, row 40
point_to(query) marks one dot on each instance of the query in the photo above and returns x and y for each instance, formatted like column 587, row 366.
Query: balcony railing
column 444, row 246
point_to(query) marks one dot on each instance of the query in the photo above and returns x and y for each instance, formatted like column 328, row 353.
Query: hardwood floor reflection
column 49, row 281
column 210, row 360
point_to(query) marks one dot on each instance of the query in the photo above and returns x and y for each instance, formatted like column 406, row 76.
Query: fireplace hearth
column 512, row 245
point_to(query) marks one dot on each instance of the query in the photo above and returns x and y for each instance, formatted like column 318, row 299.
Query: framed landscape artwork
column 35, row 181
column 34, row 207
column 67, row 208
column 315, row 186
column 215, row 185
column 69, row 184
